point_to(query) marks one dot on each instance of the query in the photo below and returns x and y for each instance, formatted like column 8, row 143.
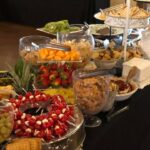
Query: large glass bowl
column 6, row 120
column 92, row 93
column 84, row 43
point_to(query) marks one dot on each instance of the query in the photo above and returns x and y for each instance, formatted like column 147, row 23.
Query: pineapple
column 22, row 76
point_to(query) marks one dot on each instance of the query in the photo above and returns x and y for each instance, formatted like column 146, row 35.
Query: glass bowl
column 28, row 46
column 106, row 59
column 6, row 120
column 92, row 93
column 84, row 43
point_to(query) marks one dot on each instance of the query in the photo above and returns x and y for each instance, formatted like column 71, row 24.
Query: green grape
column 8, row 125
column 3, row 130
column 1, row 138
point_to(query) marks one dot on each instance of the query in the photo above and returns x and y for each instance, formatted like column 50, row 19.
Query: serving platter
column 133, row 22
column 96, row 28
column 72, row 25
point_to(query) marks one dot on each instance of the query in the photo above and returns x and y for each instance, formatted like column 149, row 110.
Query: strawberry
column 44, row 76
column 45, row 83
column 74, row 66
column 53, row 75
column 64, row 75
column 57, row 82
column 44, row 69
column 54, row 66
column 64, row 83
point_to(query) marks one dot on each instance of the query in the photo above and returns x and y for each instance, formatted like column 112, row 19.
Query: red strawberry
column 54, row 66
column 64, row 75
column 53, row 75
column 57, row 82
column 44, row 76
column 44, row 69
column 64, row 83
column 45, row 83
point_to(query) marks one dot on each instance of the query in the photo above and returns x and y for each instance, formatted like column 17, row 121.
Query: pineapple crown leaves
column 22, row 76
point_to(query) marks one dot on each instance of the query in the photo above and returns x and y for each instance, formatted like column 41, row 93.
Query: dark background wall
column 38, row 12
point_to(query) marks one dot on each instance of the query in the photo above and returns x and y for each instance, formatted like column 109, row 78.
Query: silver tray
column 121, row 21
column 73, row 139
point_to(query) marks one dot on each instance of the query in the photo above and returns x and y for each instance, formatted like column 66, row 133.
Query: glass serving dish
column 54, row 75
column 84, row 43
column 73, row 139
column 92, row 92
column 28, row 46
column 106, row 59
column 6, row 120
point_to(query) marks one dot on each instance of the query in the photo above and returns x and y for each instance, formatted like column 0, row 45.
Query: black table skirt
column 38, row 12
column 127, row 131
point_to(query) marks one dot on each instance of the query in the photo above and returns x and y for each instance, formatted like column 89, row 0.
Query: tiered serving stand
column 124, row 22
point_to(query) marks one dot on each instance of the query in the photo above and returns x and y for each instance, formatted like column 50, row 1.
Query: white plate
column 94, row 27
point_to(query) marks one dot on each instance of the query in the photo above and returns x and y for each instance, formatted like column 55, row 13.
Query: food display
column 54, row 75
column 124, row 89
column 109, row 58
column 6, row 120
column 60, row 26
column 84, row 43
column 134, row 12
column 47, row 54
column 106, row 59
column 25, row 144
column 55, row 79
column 5, row 78
column 91, row 93
column 40, row 115
column 104, row 30
column 6, row 91
column 106, row 54
column 67, row 93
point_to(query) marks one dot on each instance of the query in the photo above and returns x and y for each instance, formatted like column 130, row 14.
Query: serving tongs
column 55, row 46
column 59, row 46
column 90, row 73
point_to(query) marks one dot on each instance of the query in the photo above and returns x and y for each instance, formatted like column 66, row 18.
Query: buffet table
column 128, row 130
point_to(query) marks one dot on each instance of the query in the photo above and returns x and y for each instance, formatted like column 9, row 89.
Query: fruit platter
column 60, row 26
column 46, row 112
column 55, row 87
